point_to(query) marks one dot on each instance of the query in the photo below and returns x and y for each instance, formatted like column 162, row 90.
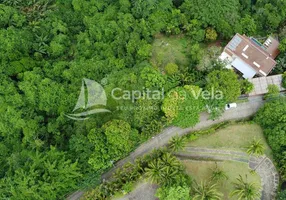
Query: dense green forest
column 48, row 46
column 272, row 119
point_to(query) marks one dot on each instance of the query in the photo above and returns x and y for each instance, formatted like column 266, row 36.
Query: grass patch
column 202, row 171
column 172, row 49
column 236, row 137
column 242, row 100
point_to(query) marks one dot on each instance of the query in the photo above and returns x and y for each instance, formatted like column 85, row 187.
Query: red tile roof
column 258, row 56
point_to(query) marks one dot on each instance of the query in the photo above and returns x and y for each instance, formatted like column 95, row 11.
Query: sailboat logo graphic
column 92, row 100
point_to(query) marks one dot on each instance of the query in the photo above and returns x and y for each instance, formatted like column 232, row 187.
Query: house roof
column 244, row 68
column 272, row 47
column 253, row 53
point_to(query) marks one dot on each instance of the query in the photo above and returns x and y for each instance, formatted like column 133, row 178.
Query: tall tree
column 213, row 13
column 165, row 170
column 37, row 175
column 225, row 81
column 183, row 105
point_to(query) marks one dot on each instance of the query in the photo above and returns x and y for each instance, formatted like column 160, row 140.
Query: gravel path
column 243, row 110
column 262, row 165
column 268, row 174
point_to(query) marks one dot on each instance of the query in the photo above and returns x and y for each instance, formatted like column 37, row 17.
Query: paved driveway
column 143, row 191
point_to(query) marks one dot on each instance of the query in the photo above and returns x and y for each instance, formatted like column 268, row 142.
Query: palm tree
column 177, row 143
column 168, row 175
column 206, row 191
column 139, row 165
column 164, row 170
column 256, row 148
column 245, row 191
column 171, row 161
column 153, row 171
column 218, row 174
column 101, row 192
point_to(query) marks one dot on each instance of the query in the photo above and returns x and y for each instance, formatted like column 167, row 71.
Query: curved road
column 243, row 110
column 262, row 165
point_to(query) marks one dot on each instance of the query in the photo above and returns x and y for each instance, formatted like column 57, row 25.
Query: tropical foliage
column 255, row 148
column 165, row 170
column 177, row 143
column 160, row 167
column 174, row 193
column 49, row 46
column 51, row 171
column 281, row 195
column 246, row 86
column 243, row 190
column 206, row 191
column 273, row 91
column 183, row 105
column 284, row 80
column 225, row 81
column 272, row 119
column 171, row 68
column 218, row 174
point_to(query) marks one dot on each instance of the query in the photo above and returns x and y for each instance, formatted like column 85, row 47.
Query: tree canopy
column 48, row 48
column 183, row 105
column 272, row 119
column 225, row 81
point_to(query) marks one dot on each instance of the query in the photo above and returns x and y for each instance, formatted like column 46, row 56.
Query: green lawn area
column 236, row 137
column 202, row 171
column 173, row 49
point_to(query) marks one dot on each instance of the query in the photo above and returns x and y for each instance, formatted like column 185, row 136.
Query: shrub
column 195, row 135
column 127, row 187
column 211, row 34
column 171, row 68
column 273, row 91
column 218, row 174
column 173, row 193
column 152, row 128
column 192, row 137
column 281, row 195
column 282, row 45
column 284, row 80
column 246, row 86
